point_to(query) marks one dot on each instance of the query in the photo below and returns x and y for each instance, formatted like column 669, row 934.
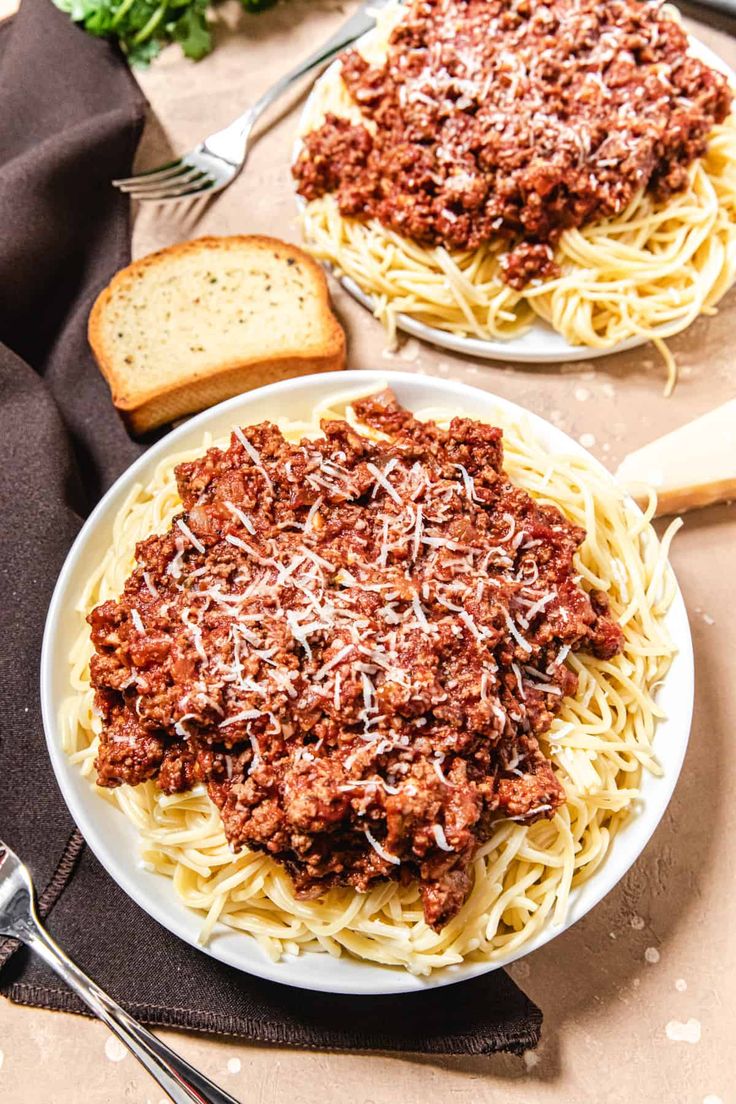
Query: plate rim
column 368, row 979
column 512, row 351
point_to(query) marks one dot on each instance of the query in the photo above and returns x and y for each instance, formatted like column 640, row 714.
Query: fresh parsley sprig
column 143, row 27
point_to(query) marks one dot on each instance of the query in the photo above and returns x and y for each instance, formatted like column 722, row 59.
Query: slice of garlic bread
column 194, row 324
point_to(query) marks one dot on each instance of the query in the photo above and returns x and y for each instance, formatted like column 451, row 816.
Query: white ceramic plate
column 113, row 838
column 539, row 344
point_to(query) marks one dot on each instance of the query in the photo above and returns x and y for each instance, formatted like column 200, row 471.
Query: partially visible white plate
column 539, row 344
column 113, row 838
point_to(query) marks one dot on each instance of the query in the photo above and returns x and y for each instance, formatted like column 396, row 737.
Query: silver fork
column 18, row 919
column 216, row 161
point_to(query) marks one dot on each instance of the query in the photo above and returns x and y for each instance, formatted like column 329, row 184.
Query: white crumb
column 683, row 1032
column 114, row 1049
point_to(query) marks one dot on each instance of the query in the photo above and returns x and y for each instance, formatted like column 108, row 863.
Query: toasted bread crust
column 148, row 407
column 173, row 404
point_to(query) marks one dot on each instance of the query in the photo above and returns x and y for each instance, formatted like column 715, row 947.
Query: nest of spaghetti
column 601, row 739
column 475, row 164
column 355, row 642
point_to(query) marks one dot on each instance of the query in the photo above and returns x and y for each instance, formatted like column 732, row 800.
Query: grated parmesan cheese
column 381, row 850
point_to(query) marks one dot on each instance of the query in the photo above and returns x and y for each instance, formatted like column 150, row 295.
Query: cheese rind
column 693, row 466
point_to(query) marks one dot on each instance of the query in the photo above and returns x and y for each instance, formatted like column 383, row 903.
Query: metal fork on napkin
column 18, row 919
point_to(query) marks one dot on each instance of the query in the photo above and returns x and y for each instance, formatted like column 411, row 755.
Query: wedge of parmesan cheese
column 693, row 466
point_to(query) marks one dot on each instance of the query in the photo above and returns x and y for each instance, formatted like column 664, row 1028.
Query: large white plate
column 113, row 838
column 539, row 344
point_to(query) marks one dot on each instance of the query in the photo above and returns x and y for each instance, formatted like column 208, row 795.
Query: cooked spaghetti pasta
column 600, row 742
column 646, row 273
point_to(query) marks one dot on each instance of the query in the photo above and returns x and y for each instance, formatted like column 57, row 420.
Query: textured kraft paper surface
column 638, row 997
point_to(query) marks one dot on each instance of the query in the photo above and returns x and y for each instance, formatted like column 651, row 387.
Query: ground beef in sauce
column 355, row 644
column 514, row 121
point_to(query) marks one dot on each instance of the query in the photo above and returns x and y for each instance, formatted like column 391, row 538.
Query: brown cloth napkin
column 70, row 118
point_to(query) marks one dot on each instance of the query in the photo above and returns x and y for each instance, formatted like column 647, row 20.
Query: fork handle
column 358, row 24
column 183, row 1083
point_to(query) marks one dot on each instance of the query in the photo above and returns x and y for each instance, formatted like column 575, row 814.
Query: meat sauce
column 515, row 121
column 355, row 644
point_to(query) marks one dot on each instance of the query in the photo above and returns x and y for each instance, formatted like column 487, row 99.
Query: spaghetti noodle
column 599, row 743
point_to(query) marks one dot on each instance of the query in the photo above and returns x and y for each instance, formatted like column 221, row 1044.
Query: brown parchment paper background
column 628, row 991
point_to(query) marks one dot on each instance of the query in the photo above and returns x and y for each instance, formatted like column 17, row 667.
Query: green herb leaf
column 192, row 32
column 143, row 27
column 142, row 54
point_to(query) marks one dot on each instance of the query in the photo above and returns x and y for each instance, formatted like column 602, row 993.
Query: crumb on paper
column 688, row 1032
column 681, row 985
column 520, row 969
column 114, row 1049
column 410, row 350
column 587, row 440
column 582, row 394
column 407, row 349
column 234, row 1065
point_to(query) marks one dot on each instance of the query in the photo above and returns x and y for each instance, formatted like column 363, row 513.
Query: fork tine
column 169, row 177
column 186, row 176
column 195, row 187
column 160, row 172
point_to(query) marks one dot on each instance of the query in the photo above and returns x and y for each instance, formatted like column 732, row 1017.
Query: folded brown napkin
column 70, row 118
